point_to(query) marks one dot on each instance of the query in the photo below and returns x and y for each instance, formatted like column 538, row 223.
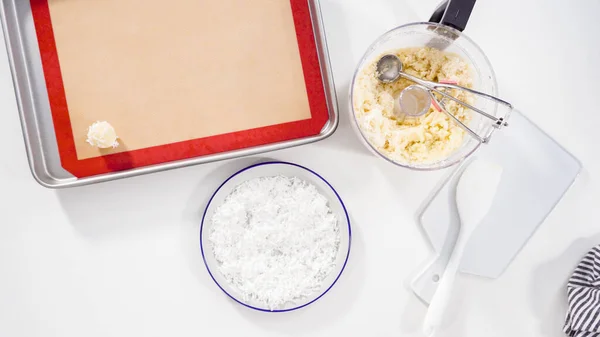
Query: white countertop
column 122, row 258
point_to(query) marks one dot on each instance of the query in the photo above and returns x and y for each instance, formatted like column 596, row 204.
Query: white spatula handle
column 440, row 300
column 474, row 197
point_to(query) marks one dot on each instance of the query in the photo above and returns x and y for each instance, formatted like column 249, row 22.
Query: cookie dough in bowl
column 432, row 140
column 426, row 139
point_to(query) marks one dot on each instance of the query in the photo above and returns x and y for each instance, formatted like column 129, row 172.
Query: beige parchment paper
column 167, row 71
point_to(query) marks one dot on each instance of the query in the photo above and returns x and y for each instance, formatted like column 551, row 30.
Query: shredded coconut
column 275, row 239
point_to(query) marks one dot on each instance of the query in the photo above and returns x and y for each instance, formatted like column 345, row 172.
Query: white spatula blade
column 476, row 190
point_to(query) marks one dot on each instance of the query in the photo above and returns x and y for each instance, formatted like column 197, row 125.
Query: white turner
column 474, row 195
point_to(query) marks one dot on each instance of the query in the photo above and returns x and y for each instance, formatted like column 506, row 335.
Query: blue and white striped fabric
column 583, row 291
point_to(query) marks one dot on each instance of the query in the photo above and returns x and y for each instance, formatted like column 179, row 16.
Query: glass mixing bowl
column 445, row 38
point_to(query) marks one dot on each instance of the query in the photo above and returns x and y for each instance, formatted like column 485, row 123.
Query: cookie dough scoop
column 389, row 69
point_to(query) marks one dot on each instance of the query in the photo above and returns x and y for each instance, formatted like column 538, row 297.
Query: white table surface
column 122, row 258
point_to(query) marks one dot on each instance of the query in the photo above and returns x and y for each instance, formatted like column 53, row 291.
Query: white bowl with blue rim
column 269, row 169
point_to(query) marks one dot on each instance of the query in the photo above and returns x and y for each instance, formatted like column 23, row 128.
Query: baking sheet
column 179, row 81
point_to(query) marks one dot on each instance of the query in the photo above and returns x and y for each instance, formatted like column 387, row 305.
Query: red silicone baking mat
column 177, row 79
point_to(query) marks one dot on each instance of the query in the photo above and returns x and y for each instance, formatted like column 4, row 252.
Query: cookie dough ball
column 102, row 135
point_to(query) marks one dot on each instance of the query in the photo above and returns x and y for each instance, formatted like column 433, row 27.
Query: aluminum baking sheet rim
column 38, row 158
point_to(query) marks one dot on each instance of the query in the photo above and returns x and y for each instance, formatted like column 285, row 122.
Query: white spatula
column 474, row 195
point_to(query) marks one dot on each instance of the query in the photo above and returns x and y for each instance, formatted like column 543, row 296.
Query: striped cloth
column 583, row 291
